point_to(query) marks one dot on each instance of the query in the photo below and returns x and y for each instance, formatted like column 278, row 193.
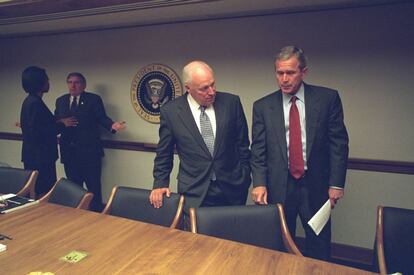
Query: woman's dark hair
column 34, row 79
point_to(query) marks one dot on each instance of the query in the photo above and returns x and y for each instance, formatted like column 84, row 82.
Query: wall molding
column 53, row 11
column 343, row 252
column 374, row 165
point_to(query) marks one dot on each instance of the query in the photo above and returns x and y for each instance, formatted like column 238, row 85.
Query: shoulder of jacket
column 91, row 95
column 174, row 103
column 267, row 98
column 321, row 89
column 62, row 97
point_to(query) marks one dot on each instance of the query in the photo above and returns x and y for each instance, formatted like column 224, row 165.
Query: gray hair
column 289, row 51
column 189, row 69
column 78, row 75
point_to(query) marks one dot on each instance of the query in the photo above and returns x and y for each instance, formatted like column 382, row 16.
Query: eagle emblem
column 153, row 86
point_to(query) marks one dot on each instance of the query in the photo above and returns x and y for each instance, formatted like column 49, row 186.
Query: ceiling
column 29, row 17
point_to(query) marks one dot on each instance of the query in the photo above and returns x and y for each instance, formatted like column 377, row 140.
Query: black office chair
column 133, row 203
column 18, row 181
column 68, row 193
column 263, row 226
column 395, row 240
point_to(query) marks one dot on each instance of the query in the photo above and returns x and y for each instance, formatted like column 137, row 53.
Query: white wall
column 365, row 53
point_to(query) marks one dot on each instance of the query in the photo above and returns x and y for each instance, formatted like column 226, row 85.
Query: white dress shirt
column 71, row 100
column 195, row 110
column 300, row 103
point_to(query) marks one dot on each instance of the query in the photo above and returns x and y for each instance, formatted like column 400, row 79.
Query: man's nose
column 211, row 90
column 284, row 78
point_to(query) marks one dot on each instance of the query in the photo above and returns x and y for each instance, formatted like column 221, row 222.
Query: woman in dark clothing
column 39, row 129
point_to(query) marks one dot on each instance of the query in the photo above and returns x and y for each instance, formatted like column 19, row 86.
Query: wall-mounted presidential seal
column 153, row 86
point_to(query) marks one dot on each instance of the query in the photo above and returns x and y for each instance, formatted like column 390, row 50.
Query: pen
column 2, row 237
column 16, row 202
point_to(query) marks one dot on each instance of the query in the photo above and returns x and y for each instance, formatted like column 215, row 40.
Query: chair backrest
column 133, row 203
column 68, row 193
column 263, row 226
column 18, row 181
column 395, row 240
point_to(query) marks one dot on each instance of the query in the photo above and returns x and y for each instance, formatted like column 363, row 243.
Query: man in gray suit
column 299, row 148
column 209, row 131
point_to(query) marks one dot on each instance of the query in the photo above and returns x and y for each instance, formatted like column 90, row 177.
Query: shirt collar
column 194, row 104
column 300, row 94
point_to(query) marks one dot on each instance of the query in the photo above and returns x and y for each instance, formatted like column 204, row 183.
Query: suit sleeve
column 32, row 122
column 243, row 137
column 56, row 113
column 101, row 116
column 163, row 162
column 59, row 125
column 338, row 144
column 258, row 160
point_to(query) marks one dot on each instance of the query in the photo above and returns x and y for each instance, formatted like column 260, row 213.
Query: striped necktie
column 206, row 130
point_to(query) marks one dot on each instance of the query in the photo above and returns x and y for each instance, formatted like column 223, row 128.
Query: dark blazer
column 326, row 144
column 85, row 137
column 39, row 130
column 231, row 150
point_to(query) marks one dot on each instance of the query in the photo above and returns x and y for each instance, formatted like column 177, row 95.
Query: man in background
column 299, row 148
column 209, row 131
column 81, row 149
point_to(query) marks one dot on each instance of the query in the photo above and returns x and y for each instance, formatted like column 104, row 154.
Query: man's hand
column 118, row 126
column 335, row 195
column 156, row 196
column 259, row 195
column 69, row 121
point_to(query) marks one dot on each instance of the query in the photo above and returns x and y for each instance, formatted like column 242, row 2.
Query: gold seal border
column 156, row 67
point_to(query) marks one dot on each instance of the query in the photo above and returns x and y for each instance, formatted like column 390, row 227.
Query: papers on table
column 6, row 196
column 13, row 202
column 319, row 220
column 74, row 256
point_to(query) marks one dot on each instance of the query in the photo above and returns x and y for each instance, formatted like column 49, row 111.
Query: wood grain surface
column 44, row 233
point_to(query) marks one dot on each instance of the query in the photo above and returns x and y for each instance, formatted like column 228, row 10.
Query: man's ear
column 304, row 72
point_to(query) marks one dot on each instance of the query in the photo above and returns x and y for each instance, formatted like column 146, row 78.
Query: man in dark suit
column 39, row 130
column 299, row 148
column 81, row 149
column 209, row 131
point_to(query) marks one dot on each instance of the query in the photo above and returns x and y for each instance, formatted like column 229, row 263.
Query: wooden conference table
column 43, row 234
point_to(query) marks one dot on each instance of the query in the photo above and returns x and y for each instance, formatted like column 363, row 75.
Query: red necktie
column 296, row 164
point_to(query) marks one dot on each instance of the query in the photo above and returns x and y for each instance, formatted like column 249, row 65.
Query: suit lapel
column 66, row 105
column 82, row 99
column 186, row 116
column 276, row 112
column 221, row 118
column 312, row 117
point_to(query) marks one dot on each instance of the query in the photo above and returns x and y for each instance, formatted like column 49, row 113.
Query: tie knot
column 202, row 108
column 293, row 99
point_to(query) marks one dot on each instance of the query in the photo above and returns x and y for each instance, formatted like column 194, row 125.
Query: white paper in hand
column 319, row 220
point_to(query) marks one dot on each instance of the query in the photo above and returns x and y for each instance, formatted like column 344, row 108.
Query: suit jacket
column 39, row 130
column 83, row 142
column 326, row 144
column 230, row 160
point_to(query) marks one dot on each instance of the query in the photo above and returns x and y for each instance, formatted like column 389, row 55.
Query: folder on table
column 14, row 203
